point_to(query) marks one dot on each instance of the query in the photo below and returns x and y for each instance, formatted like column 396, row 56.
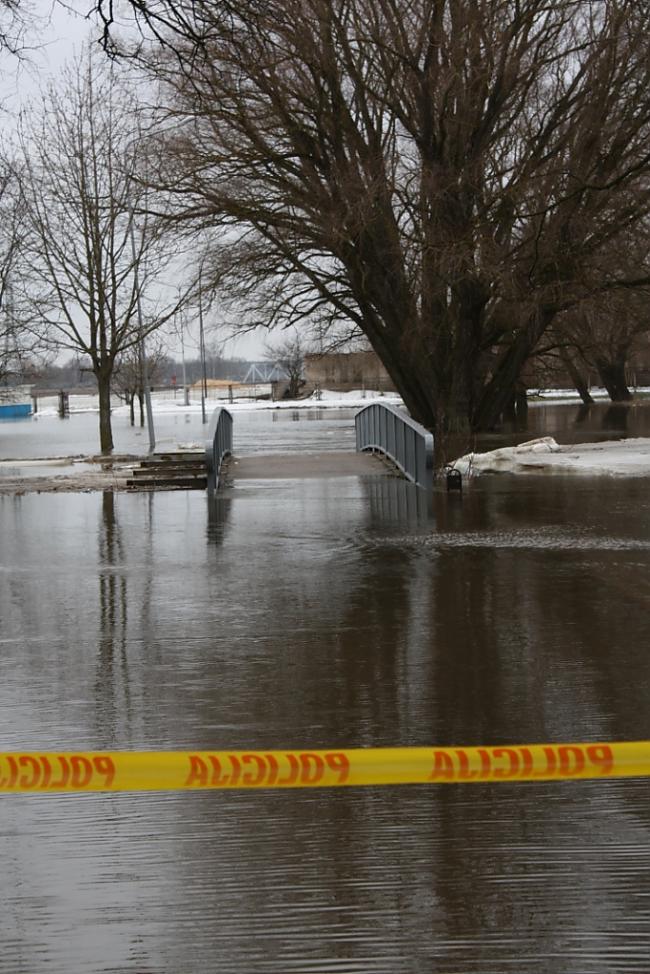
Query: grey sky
column 57, row 32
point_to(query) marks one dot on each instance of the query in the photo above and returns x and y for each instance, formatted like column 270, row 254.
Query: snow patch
column 506, row 457
column 162, row 404
column 612, row 458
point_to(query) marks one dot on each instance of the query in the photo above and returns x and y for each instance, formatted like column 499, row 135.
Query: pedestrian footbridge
column 383, row 433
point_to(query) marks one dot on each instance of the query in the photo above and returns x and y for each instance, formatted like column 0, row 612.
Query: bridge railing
column 218, row 445
column 383, row 428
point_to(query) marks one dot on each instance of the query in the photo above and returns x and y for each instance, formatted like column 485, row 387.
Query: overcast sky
column 55, row 33
column 59, row 30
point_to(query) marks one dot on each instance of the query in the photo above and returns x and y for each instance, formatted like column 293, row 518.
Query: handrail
column 383, row 428
column 218, row 445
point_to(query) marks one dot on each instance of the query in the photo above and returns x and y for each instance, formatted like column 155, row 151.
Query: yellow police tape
column 173, row 770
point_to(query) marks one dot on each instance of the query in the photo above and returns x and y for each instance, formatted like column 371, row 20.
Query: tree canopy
column 449, row 175
column 94, row 264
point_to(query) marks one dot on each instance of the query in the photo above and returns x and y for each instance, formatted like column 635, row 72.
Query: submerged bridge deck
column 380, row 429
column 383, row 433
column 303, row 466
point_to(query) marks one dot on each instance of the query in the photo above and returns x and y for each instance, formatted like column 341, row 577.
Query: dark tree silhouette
column 446, row 174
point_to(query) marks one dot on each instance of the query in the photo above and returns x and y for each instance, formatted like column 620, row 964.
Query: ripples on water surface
column 327, row 614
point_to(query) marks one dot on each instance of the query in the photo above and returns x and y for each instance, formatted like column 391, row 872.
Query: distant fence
column 227, row 392
column 384, row 429
column 218, row 445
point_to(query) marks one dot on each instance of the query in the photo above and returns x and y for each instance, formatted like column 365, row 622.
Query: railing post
column 408, row 444
column 218, row 445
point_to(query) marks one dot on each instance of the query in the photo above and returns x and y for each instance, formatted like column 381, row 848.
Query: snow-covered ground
column 570, row 395
column 629, row 457
column 162, row 403
column 165, row 402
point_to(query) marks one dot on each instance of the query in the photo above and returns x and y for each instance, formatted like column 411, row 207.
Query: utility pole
column 145, row 374
column 204, row 378
column 186, row 391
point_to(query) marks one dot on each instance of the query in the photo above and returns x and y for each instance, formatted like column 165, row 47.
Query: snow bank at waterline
column 629, row 457
column 164, row 403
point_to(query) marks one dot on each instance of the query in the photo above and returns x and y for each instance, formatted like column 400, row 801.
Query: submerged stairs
column 170, row 471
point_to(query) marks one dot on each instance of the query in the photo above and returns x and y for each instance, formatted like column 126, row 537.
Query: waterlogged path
column 327, row 614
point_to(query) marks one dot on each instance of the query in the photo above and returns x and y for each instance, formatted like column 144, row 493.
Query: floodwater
column 276, row 431
column 284, row 430
column 327, row 614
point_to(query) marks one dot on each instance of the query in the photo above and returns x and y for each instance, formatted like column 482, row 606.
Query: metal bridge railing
column 218, row 445
column 384, row 429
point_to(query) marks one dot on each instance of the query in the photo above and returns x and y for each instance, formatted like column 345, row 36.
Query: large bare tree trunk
column 612, row 376
column 576, row 376
column 105, row 429
column 501, row 390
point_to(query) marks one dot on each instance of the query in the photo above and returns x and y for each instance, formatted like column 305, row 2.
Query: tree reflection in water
column 112, row 668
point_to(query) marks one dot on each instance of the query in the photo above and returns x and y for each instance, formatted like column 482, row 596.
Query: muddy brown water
column 341, row 612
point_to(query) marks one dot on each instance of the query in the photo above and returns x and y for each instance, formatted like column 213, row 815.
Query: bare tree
column 289, row 356
column 94, row 262
column 604, row 331
column 606, row 334
column 15, row 20
column 129, row 376
column 9, row 332
column 445, row 174
column 18, row 347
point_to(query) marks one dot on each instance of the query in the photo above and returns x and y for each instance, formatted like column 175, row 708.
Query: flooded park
column 309, row 613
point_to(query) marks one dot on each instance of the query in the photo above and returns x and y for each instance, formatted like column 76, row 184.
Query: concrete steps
column 170, row 471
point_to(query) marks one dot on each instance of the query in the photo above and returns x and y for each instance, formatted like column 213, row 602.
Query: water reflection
column 112, row 665
column 582, row 414
column 616, row 418
column 328, row 613
column 568, row 423
column 218, row 510
column 394, row 499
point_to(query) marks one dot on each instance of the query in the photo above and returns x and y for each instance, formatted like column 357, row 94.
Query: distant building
column 15, row 401
column 344, row 371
